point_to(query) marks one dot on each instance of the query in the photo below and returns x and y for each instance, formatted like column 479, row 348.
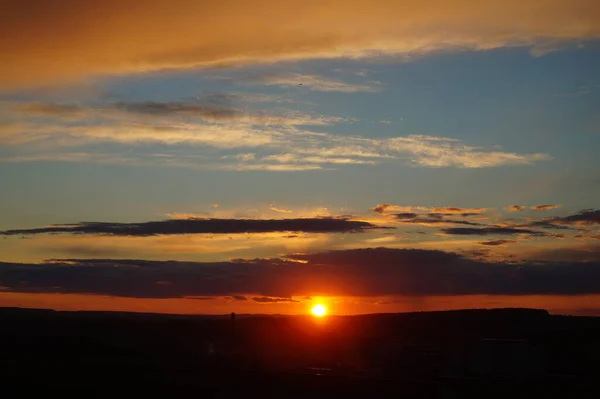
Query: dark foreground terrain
column 503, row 353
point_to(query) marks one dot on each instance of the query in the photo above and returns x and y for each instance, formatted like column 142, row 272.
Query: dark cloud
column 498, row 242
column 239, row 297
column 380, row 208
column 266, row 299
column 360, row 272
column 546, row 207
column 205, row 108
column 201, row 298
column 454, row 210
column 205, row 226
column 545, row 224
column 584, row 217
column 516, row 208
column 440, row 215
column 493, row 230
column 406, row 215
column 215, row 107
column 584, row 254
column 431, row 220
column 178, row 108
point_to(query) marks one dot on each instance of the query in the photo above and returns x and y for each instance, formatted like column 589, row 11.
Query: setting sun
column 319, row 310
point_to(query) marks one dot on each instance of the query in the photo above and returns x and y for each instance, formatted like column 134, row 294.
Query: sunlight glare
column 319, row 310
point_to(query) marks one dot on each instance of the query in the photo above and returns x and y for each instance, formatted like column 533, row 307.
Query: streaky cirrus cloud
column 434, row 215
column 205, row 226
column 431, row 221
column 496, row 243
column 458, row 211
column 545, row 224
column 81, row 39
column 267, row 299
column 287, row 146
column 360, row 272
column 546, row 207
column 202, row 109
column 490, row 230
column 313, row 82
column 440, row 152
column 280, row 210
column 440, row 211
column 515, row 208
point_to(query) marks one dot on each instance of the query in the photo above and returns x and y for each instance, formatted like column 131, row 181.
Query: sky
column 263, row 156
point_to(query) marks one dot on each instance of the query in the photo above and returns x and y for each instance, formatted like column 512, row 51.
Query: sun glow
column 319, row 310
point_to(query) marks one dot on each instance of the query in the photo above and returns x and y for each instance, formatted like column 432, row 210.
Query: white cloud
column 291, row 158
column 444, row 152
column 279, row 210
column 277, row 146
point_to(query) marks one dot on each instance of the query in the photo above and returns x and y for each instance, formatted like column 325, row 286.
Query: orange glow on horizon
column 575, row 305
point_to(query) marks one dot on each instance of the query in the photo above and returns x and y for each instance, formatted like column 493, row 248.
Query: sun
column 319, row 310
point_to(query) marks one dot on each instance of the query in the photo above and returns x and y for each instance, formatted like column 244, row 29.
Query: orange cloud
column 516, row 208
column 45, row 42
column 279, row 210
column 382, row 208
column 547, row 207
column 455, row 210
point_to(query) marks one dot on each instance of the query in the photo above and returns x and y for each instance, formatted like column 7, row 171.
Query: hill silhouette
column 424, row 354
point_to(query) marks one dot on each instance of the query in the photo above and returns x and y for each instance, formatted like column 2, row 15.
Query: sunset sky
column 261, row 156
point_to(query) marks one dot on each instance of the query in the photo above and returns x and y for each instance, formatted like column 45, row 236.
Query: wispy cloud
column 547, row 207
column 280, row 210
column 515, row 208
column 443, row 152
column 290, row 158
column 314, row 83
column 202, row 109
column 383, row 208
column 451, row 210
column 283, row 139
column 496, row 243
column 267, row 299
column 272, row 167
column 491, row 230
column 432, row 211
column 408, row 218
